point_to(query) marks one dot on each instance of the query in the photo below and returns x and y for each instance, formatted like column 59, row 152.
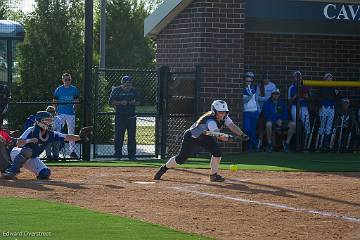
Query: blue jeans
column 125, row 123
column 249, row 126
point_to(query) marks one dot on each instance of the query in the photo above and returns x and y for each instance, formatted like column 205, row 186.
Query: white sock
column 214, row 164
column 171, row 163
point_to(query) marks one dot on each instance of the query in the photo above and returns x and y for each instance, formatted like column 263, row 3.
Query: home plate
column 144, row 182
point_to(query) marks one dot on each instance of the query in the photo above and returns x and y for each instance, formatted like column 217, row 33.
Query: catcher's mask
column 44, row 120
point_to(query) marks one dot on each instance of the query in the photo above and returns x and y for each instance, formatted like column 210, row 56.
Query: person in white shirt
column 251, row 113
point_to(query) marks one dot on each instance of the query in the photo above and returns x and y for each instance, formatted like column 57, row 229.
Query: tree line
column 54, row 42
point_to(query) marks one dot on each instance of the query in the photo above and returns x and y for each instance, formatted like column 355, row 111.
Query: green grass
column 145, row 135
column 60, row 221
column 319, row 162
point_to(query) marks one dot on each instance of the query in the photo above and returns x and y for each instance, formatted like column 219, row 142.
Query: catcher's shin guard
column 44, row 174
column 162, row 170
column 18, row 162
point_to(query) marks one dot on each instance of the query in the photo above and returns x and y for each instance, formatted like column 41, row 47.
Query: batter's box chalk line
column 271, row 205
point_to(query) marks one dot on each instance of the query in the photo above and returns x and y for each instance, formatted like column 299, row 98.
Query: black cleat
column 9, row 175
column 216, row 178
column 160, row 172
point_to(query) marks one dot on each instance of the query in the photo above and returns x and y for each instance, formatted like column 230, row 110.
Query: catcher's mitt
column 86, row 133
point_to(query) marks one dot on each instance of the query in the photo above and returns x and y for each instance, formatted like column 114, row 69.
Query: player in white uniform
column 211, row 121
column 32, row 143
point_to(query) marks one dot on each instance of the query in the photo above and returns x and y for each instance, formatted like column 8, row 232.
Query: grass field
column 62, row 221
column 319, row 162
column 22, row 217
column 145, row 135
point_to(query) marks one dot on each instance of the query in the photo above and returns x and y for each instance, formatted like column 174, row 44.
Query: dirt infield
column 249, row 205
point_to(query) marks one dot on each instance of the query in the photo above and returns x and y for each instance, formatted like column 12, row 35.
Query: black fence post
column 298, row 117
column 164, row 76
column 88, row 73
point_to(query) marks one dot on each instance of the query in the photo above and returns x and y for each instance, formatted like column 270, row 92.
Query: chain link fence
column 178, row 107
column 145, row 82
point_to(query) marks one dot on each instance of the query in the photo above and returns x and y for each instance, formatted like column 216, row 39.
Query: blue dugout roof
column 11, row 30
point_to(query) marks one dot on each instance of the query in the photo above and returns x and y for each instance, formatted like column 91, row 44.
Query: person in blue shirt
column 263, row 93
column 67, row 95
column 31, row 144
column 251, row 113
column 276, row 118
column 124, row 98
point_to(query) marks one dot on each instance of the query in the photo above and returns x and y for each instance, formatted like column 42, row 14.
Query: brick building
column 228, row 37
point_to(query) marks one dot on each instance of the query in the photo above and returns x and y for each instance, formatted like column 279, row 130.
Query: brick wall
column 280, row 55
column 210, row 34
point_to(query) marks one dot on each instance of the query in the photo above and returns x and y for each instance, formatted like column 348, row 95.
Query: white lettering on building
column 342, row 12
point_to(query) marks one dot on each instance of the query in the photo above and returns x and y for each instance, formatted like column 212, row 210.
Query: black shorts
column 189, row 144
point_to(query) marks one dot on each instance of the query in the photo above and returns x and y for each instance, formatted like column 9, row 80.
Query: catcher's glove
column 86, row 133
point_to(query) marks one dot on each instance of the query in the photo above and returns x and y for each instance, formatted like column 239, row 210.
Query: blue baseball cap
column 126, row 78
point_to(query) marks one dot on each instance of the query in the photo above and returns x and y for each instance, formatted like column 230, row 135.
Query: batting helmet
column 219, row 106
column 328, row 76
column 249, row 75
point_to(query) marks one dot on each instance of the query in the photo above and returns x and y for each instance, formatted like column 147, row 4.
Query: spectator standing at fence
column 276, row 118
column 124, row 99
column 251, row 113
column 263, row 93
column 67, row 96
column 327, row 100
column 53, row 148
column 303, row 102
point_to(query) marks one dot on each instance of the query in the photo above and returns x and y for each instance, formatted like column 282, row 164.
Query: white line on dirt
column 145, row 183
column 272, row 205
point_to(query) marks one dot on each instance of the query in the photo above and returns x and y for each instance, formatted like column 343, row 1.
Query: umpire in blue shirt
column 124, row 98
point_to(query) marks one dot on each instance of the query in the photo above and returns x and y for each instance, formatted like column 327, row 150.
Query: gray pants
column 53, row 147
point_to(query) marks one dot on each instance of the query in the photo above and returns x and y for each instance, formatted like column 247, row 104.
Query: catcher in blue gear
column 33, row 142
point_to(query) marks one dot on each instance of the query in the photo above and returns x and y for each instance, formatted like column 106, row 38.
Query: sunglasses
column 67, row 79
